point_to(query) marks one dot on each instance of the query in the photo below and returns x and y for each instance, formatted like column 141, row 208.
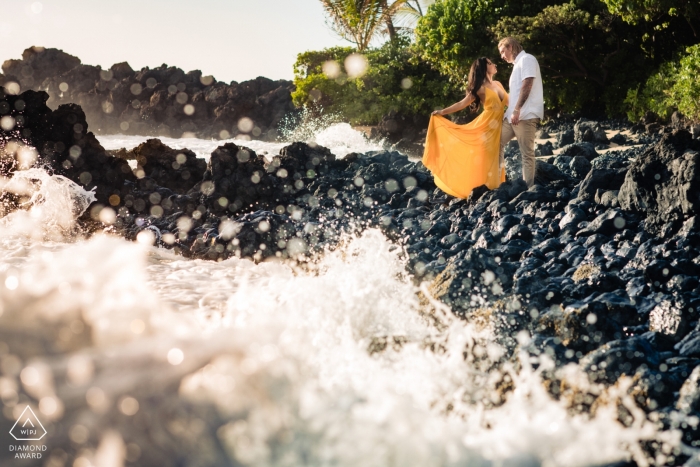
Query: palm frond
column 359, row 21
column 408, row 15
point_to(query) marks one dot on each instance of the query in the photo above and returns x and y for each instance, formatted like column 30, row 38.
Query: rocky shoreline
column 598, row 262
column 161, row 101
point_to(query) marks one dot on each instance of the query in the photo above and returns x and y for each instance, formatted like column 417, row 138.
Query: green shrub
column 685, row 93
column 396, row 80
column 674, row 85
column 453, row 33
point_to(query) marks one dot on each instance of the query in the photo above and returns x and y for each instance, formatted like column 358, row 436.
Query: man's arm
column 524, row 94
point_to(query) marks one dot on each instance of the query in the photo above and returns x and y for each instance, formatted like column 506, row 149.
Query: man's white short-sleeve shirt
column 526, row 66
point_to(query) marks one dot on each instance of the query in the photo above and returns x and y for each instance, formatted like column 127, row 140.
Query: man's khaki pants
column 524, row 132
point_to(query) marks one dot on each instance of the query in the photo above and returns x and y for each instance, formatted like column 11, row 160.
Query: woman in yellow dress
column 463, row 157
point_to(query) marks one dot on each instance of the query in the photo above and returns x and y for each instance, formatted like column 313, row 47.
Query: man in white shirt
column 526, row 104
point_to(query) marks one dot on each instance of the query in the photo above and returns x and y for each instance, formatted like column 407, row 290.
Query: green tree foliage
column 455, row 32
column 586, row 56
column 635, row 11
column 665, row 26
column 674, row 85
column 395, row 81
column 591, row 52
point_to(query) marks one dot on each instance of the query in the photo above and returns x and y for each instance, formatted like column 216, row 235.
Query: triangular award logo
column 28, row 427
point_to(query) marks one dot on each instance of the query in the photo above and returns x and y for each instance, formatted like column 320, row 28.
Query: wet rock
column 297, row 159
column 438, row 229
column 396, row 127
column 534, row 193
column 478, row 267
column 689, row 395
column 612, row 360
column 619, row 139
column 588, row 131
column 689, row 346
column 178, row 170
column 653, row 388
column 680, row 283
column 236, row 177
column 607, row 223
column 565, row 138
column 662, row 182
column 585, row 325
column 607, row 199
column 546, row 149
column 586, row 150
column 510, row 189
column 513, row 160
column 579, row 166
column 504, row 224
column 450, row 240
column 573, row 217
column 659, row 271
column 518, row 232
column 546, row 173
column 600, row 179
column 614, row 159
column 562, row 162
column 65, row 145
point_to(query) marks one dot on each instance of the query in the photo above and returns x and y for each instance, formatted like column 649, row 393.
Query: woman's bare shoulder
column 498, row 83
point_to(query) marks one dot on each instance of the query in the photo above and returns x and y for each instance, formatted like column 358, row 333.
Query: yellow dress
column 463, row 157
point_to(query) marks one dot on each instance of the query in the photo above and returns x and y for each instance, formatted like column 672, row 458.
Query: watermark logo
column 28, row 427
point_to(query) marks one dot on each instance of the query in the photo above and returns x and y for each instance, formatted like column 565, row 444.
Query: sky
column 229, row 39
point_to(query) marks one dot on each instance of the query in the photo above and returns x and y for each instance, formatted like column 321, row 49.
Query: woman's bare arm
column 464, row 103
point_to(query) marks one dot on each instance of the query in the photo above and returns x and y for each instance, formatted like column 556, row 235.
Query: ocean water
column 340, row 138
column 130, row 355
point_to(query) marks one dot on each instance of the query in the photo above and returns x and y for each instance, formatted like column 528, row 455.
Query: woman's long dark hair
column 477, row 76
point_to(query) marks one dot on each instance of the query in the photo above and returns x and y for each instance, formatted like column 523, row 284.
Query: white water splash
column 49, row 204
column 332, row 364
column 340, row 138
column 282, row 354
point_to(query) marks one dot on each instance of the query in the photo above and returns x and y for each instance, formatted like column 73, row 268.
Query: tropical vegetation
column 598, row 57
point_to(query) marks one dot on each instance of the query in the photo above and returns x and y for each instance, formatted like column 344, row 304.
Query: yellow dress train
column 463, row 157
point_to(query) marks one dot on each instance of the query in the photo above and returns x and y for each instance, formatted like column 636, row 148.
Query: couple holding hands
column 463, row 157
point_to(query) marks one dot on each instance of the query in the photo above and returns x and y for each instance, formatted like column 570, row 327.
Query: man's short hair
column 513, row 43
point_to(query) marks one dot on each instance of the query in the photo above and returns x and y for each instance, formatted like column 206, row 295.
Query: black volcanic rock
column 298, row 158
column 238, row 176
column 586, row 150
column 163, row 101
column 600, row 179
column 565, row 138
column 664, row 182
column 397, row 126
column 590, row 132
column 64, row 144
column 37, row 64
column 178, row 170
